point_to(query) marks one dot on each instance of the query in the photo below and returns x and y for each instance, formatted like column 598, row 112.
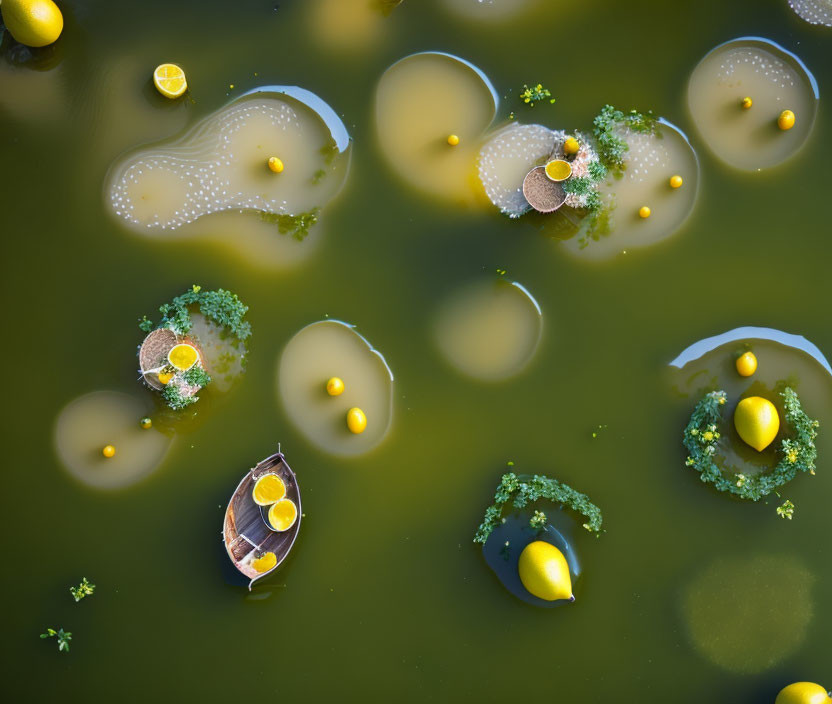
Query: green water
column 384, row 596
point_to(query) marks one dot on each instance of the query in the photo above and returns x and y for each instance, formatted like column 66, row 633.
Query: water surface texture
column 385, row 597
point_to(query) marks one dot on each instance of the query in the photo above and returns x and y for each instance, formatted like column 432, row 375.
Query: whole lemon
column 803, row 693
column 544, row 571
column 757, row 422
column 33, row 22
column 746, row 364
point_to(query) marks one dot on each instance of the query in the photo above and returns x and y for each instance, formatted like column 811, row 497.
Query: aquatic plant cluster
column 701, row 438
column 522, row 491
column 179, row 384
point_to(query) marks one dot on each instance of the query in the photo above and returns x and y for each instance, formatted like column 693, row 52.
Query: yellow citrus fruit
column 164, row 377
column 335, row 386
column 108, row 451
column 32, row 22
column 746, row 364
column 571, row 146
column 803, row 693
column 558, row 170
column 757, row 422
column 676, row 181
column 786, row 120
column 746, row 103
column 356, row 420
column 268, row 489
column 183, row 356
column 453, row 140
column 644, row 212
column 275, row 165
column 169, row 80
column 283, row 514
column 265, row 562
column 544, row 571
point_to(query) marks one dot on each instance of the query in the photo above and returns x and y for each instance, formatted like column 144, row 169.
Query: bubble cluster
column 765, row 65
column 506, row 158
column 814, row 11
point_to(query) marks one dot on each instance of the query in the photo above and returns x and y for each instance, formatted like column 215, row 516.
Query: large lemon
column 32, row 22
column 803, row 693
column 757, row 422
column 544, row 571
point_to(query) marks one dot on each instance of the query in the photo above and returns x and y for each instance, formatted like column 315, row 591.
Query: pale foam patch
column 774, row 79
column 814, row 11
column 506, row 158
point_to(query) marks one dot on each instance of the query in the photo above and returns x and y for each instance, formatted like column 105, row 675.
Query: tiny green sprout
column 63, row 638
column 538, row 521
column 501, row 272
column 82, row 590
column 786, row 510
column 535, row 94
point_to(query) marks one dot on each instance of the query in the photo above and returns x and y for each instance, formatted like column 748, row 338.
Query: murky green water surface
column 384, row 595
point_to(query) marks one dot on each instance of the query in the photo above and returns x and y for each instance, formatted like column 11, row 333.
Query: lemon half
column 169, row 80
column 268, row 489
column 283, row 514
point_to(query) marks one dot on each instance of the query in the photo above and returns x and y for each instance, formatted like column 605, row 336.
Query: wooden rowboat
column 245, row 532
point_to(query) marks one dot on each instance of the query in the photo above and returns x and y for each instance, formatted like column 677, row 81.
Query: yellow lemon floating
column 356, row 420
column 32, row 22
column 786, row 120
column 169, row 80
column 746, row 364
column 571, row 146
column 146, row 423
column 757, row 422
column 746, row 103
column 676, row 181
column 108, row 451
column 275, row 165
column 453, row 140
column 268, row 490
column 282, row 515
column 644, row 212
column 544, row 572
column 335, row 386
column 183, row 357
column 164, row 377
column 803, row 693
column 264, row 563
column 558, row 170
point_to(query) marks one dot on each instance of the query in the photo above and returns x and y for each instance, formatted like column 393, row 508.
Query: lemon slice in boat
column 183, row 356
column 268, row 489
column 558, row 170
column 282, row 515
column 267, row 561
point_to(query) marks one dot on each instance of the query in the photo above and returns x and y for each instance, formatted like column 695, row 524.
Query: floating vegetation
column 83, row 590
column 296, row 225
column 63, row 638
column 748, row 613
column 309, row 361
column 523, row 490
column 536, row 94
column 814, row 11
column 206, row 182
column 421, row 101
column 171, row 357
column 489, row 330
column 746, row 135
column 702, row 439
column 91, row 422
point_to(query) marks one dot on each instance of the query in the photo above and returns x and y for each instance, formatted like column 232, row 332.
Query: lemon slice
column 183, row 356
column 268, row 489
column 558, row 170
column 169, row 80
column 283, row 514
column 267, row 561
